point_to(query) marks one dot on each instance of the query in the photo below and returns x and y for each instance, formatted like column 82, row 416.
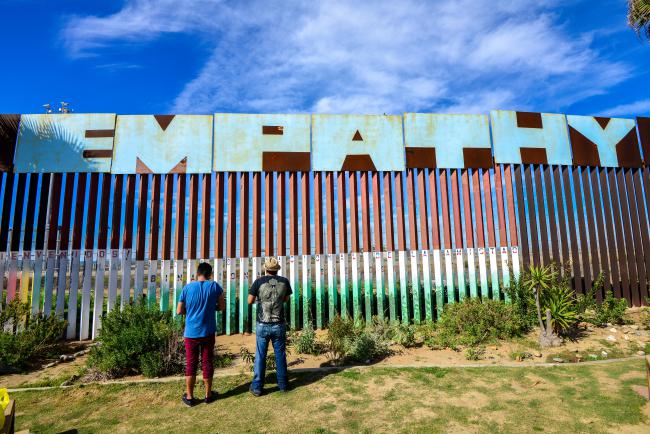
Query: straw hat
column 271, row 264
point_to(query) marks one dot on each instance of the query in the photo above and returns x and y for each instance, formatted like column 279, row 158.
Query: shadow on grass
column 296, row 381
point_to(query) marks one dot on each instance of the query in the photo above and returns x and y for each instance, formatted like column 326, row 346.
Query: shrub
column 395, row 332
column 475, row 353
column 404, row 335
column 24, row 338
column 522, row 300
column 305, row 341
column 348, row 340
column 138, row 340
column 339, row 331
column 611, row 310
column 365, row 346
column 248, row 358
column 473, row 322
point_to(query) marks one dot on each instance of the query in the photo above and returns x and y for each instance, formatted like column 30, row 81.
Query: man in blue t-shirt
column 199, row 302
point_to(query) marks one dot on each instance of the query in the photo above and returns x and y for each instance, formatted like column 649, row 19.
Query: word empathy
column 161, row 144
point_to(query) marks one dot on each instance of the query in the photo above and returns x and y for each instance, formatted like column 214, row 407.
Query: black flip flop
column 187, row 401
column 211, row 398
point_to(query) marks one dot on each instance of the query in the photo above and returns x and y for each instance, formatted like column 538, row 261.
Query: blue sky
column 203, row 56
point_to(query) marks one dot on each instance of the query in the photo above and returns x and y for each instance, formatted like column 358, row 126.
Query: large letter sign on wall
column 163, row 144
column 244, row 142
column 447, row 141
column 608, row 142
column 530, row 138
column 356, row 142
column 65, row 143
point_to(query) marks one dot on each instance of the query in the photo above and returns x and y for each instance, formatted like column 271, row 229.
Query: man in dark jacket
column 270, row 292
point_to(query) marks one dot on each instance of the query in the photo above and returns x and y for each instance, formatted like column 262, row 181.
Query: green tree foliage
column 638, row 16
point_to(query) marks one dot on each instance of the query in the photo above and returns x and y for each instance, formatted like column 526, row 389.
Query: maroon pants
column 204, row 347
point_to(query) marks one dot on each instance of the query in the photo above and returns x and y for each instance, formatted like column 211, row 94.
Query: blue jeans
column 277, row 334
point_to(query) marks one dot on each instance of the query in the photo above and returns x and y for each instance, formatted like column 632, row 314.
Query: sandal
column 211, row 398
column 187, row 401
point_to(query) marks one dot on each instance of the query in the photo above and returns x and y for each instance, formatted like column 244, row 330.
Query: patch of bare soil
column 46, row 376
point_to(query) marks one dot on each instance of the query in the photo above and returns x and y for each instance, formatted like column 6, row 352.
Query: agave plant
column 539, row 280
column 561, row 303
column 638, row 16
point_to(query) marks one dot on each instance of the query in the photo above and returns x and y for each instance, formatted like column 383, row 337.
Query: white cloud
column 636, row 108
column 366, row 57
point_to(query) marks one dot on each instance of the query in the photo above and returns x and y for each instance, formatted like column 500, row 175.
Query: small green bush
column 25, row 338
column 395, row 332
column 473, row 322
column 138, row 340
column 248, row 358
column 305, row 341
column 611, row 310
column 349, row 340
column 475, row 353
column 365, row 346
column 404, row 335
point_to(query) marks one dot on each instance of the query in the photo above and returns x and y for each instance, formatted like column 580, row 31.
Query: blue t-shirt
column 200, row 300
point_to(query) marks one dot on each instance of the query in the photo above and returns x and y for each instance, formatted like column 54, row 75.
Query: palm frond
column 638, row 16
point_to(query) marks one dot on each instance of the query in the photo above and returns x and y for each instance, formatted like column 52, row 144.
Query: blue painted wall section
column 357, row 142
column 65, row 143
column 451, row 136
column 599, row 141
column 241, row 141
column 163, row 144
column 127, row 144
column 520, row 137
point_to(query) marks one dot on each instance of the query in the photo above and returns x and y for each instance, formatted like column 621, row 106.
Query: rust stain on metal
column 286, row 161
column 276, row 130
column 164, row 120
column 585, row 152
column 421, row 158
column 98, row 153
column 358, row 162
column 529, row 120
column 476, row 158
column 96, row 134
column 533, row 155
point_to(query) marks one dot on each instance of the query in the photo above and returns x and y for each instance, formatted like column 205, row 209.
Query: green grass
column 566, row 398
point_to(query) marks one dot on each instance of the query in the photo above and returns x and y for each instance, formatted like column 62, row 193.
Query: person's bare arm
column 251, row 299
column 221, row 302
column 180, row 309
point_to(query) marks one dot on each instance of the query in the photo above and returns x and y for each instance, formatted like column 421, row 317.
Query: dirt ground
column 592, row 343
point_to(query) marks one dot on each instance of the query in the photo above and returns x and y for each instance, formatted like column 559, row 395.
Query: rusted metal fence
column 447, row 208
